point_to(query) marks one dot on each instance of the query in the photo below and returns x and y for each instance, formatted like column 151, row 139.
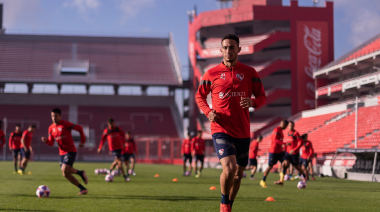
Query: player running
column 186, row 155
column 2, row 135
column 231, row 84
column 293, row 143
column 307, row 154
column 276, row 150
column 60, row 131
column 15, row 146
column 253, row 149
column 129, row 153
column 116, row 143
column 26, row 147
column 198, row 149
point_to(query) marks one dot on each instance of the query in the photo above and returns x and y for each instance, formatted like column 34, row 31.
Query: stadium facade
column 285, row 44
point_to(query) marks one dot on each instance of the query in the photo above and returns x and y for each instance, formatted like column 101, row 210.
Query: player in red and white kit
column 116, row 143
column 307, row 154
column 2, row 135
column 232, row 85
column 15, row 146
column 253, row 149
column 129, row 154
column 293, row 144
column 26, row 147
column 186, row 155
column 60, row 131
column 198, row 150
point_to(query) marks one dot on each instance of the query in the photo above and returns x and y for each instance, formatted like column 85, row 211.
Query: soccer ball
column 115, row 173
column 244, row 175
column 286, row 177
column 301, row 185
column 43, row 191
column 109, row 178
column 98, row 171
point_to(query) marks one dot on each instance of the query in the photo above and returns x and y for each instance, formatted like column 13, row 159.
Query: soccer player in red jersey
column 231, row 84
column 293, row 143
column 198, row 149
column 2, row 135
column 129, row 153
column 116, row 143
column 186, row 154
column 276, row 149
column 253, row 149
column 307, row 154
column 15, row 146
column 26, row 147
column 60, row 131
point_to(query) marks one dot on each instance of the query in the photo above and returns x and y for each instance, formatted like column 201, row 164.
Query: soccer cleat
column 279, row 183
column 84, row 177
column 293, row 178
column 133, row 173
column 313, row 178
column 21, row 173
column 184, row 174
column 251, row 178
column 130, row 171
column 82, row 192
column 197, row 175
column 127, row 179
column 225, row 207
column 263, row 184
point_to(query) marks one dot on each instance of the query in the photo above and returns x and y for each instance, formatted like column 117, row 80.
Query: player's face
column 110, row 125
column 230, row 50
column 128, row 136
column 199, row 135
column 283, row 125
column 259, row 140
column 17, row 129
column 291, row 126
column 55, row 117
column 31, row 129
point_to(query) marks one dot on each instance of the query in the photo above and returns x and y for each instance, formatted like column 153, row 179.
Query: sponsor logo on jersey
column 231, row 94
column 240, row 76
column 221, row 151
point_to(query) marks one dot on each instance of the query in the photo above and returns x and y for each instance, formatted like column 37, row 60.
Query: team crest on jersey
column 53, row 129
column 221, row 151
column 240, row 76
column 59, row 128
column 223, row 76
column 221, row 95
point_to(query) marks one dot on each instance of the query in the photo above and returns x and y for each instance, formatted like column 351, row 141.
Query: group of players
column 286, row 150
column 121, row 145
column 193, row 148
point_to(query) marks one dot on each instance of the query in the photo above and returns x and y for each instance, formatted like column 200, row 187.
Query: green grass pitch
column 147, row 193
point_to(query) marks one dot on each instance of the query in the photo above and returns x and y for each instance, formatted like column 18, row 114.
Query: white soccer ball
column 286, row 177
column 301, row 185
column 109, row 178
column 244, row 175
column 43, row 191
column 98, row 171
column 115, row 173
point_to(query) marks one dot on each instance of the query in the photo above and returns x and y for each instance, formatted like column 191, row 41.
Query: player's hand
column 81, row 145
column 99, row 151
column 291, row 152
column 25, row 149
column 31, row 150
column 308, row 158
column 246, row 102
column 44, row 139
column 212, row 116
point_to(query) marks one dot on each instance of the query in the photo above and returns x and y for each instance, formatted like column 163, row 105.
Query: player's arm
column 23, row 140
column 311, row 153
column 102, row 140
column 299, row 139
column 183, row 149
column 257, row 91
column 10, row 141
column 79, row 129
column 201, row 97
column 49, row 140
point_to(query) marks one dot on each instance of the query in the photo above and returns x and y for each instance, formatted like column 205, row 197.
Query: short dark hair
column 188, row 134
column 32, row 126
column 129, row 132
column 232, row 37
column 199, row 131
column 285, row 121
column 57, row 111
column 110, row 120
column 304, row 136
column 260, row 137
column 18, row 125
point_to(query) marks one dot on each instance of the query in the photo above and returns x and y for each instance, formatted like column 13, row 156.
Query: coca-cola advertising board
column 312, row 54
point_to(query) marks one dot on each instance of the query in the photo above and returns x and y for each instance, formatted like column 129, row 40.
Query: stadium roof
column 89, row 60
column 369, row 48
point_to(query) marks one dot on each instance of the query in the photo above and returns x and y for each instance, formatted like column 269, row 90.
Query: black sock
column 125, row 176
column 264, row 178
column 225, row 199
column 15, row 169
column 80, row 173
column 251, row 175
column 232, row 202
column 81, row 187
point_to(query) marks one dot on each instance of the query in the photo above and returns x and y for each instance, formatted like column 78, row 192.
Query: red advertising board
column 312, row 54
column 322, row 91
column 336, row 88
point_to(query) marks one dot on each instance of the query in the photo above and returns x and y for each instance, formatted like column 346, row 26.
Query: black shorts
column 116, row 153
column 187, row 157
column 67, row 159
column 127, row 156
column 200, row 158
column 305, row 162
column 275, row 157
column 16, row 152
column 25, row 154
column 226, row 145
column 292, row 158
column 253, row 162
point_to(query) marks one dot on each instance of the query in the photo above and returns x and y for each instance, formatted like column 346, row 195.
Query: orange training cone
column 175, row 180
column 212, row 188
column 156, row 175
column 270, row 199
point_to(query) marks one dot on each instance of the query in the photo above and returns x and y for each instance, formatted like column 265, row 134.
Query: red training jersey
column 2, row 138
column 15, row 140
column 277, row 141
column 253, row 149
column 186, row 147
column 295, row 141
column 61, row 133
column 227, row 86
column 115, row 137
column 27, row 136
column 307, row 150
column 130, row 146
column 198, row 146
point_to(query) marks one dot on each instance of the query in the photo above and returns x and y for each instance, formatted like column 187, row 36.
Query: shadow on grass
column 139, row 197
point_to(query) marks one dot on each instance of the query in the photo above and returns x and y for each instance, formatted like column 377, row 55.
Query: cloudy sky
column 355, row 20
